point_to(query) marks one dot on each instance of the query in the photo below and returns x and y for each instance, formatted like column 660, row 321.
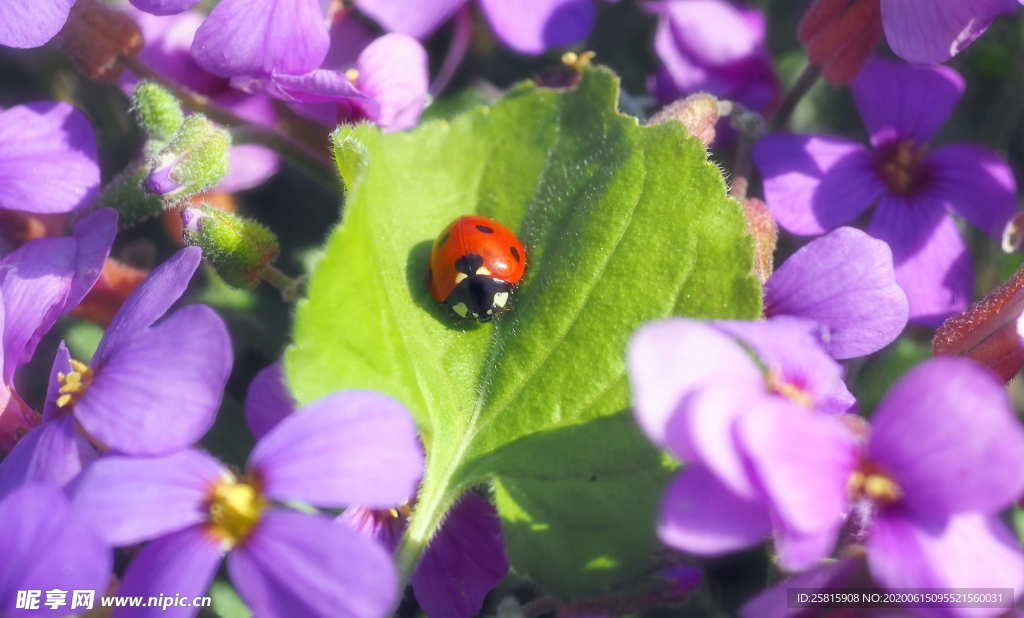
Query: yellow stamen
column 578, row 61
column 235, row 508
column 778, row 385
column 352, row 75
column 900, row 166
column 874, row 484
column 73, row 385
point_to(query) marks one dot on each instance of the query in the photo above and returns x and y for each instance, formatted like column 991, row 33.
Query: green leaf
column 622, row 224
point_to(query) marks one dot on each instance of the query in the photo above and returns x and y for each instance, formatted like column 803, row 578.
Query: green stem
column 431, row 508
column 310, row 160
column 796, row 92
column 290, row 288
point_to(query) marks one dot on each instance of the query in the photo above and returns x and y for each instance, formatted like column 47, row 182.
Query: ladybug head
column 480, row 297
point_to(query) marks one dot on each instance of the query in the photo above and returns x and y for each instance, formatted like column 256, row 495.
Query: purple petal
column 713, row 32
column 351, row 447
column 380, row 525
column 932, row 264
column 160, row 391
column 535, row 26
column 268, row 401
column 844, row 280
column 669, row 359
column 463, row 562
column 792, row 354
column 395, row 16
column 181, row 563
column 47, row 545
column 52, row 453
column 703, row 430
column 807, row 486
column 94, row 234
column 930, row 31
column 48, row 160
column 35, row 281
column 393, row 72
column 775, row 603
column 294, row 564
column 947, row 435
column 814, row 183
column 976, row 184
column 700, row 515
column 61, row 364
column 251, row 166
column 797, row 551
column 133, row 499
column 150, row 300
column 164, row 7
column 262, row 37
column 900, row 101
column 323, row 95
column 31, row 23
column 349, row 37
column 966, row 551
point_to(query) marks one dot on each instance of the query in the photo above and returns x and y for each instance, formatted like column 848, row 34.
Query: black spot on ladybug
column 485, row 229
column 469, row 263
column 515, row 253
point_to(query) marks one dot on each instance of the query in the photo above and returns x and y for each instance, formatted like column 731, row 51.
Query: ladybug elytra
column 475, row 265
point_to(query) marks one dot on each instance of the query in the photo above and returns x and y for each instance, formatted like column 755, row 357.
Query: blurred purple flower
column 384, row 81
column 814, row 183
column 167, row 51
column 696, row 392
column 942, row 457
column 47, row 546
column 712, row 46
column 39, row 282
column 149, row 389
column 528, row 26
column 31, row 23
column 48, row 160
column 933, row 31
column 845, row 282
column 349, row 447
column 464, row 561
column 164, row 7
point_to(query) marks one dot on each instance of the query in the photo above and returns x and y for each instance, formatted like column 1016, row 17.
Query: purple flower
column 696, row 389
column 48, row 160
column 349, row 447
column 712, row 46
column 164, row 7
column 31, row 23
column 845, row 282
column 464, row 561
column 815, row 183
column 150, row 389
column 932, row 31
column 527, row 26
column 39, row 282
column 48, row 546
column 384, row 81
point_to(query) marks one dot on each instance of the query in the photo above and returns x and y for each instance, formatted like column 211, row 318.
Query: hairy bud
column 157, row 111
column 698, row 113
column 240, row 249
column 195, row 159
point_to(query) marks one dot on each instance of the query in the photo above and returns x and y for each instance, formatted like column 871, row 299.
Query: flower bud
column 157, row 111
column 195, row 159
column 698, row 113
column 762, row 227
column 840, row 36
column 96, row 36
column 240, row 249
column 991, row 331
column 125, row 194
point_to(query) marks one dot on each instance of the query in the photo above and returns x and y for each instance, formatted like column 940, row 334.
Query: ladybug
column 475, row 265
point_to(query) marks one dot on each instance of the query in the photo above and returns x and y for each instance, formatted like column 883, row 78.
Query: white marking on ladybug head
column 500, row 299
column 460, row 309
column 483, row 270
column 459, row 277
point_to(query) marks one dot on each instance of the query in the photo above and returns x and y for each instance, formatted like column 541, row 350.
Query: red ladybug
column 475, row 265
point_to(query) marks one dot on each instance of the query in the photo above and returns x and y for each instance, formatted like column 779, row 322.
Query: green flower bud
column 195, row 159
column 240, row 249
column 125, row 194
column 157, row 111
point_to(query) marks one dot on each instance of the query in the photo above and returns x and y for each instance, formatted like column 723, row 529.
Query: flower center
column 74, row 384
column 235, row 508
column 784, row 388
column 870, row 482
column 352, row 75
column 899, row 163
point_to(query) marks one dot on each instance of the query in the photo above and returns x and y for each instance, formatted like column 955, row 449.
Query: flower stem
column 316, row 164
column 796, row 92
column 435, row 499
column 290, row 288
